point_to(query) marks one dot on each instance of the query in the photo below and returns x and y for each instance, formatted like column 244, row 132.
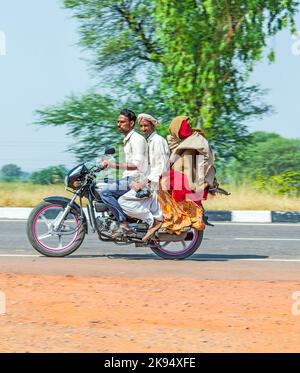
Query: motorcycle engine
column 102, row 223
column 109, row 226
column 106, row 225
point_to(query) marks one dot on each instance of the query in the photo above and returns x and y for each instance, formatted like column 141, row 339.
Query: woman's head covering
column 179, row 130
column 185, row 130
column 175, row 125
column 149, row 118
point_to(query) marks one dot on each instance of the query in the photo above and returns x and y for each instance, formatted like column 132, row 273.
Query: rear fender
column 64, row 201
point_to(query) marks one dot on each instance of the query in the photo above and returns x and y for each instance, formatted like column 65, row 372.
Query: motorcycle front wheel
column 48, row 242
column 178, row 250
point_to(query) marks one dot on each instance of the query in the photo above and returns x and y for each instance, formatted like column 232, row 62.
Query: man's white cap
column 149, row 118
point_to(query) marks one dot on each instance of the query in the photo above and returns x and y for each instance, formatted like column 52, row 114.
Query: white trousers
column 146, row 209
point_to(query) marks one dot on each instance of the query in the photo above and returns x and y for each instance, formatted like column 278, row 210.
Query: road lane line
column 267, row 239
column 269, row 260
column 12, row 220
column 257, row 224
column 20, row 255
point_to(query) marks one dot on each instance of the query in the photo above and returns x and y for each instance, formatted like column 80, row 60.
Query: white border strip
column 237, row 216
column 18, row 213
column 251, row 217
column 14, row 212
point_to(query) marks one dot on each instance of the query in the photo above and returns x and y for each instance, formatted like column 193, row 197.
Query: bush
column 270, row 162
column 10, row 172
column 50, row 175
column 285, row 183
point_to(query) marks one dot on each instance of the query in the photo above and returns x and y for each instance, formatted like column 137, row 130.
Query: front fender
column 64, row 201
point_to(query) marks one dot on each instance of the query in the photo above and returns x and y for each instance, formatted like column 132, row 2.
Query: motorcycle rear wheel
column 187, row 249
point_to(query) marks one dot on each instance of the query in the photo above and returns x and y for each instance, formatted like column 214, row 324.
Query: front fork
column 56, row 226
column 91, row 214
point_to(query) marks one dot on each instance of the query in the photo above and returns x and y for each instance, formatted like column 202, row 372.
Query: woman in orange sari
column 192, row 173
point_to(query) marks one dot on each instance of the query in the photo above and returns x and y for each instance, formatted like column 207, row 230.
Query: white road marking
column 12, row 220
column 269, row 260
column 267, row 239
column 258, row 224
column 20, row 255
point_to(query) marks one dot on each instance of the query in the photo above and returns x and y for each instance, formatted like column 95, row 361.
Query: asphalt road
column 224, row 241
column 261, row 251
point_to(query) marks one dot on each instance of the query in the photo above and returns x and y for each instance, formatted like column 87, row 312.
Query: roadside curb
column 249, row 216
column 236, row 216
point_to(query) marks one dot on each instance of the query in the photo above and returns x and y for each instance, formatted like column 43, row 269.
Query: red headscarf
column 185, row 130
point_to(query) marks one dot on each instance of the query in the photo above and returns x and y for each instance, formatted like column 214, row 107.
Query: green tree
column 209, row 47
column 173, row 57
column 11, row 172
column 50, row 175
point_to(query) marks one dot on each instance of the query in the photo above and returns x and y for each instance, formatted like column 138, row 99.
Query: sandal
column 155, row 227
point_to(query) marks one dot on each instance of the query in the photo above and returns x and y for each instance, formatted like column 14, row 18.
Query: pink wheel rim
column 42, row 244
column 189, row 246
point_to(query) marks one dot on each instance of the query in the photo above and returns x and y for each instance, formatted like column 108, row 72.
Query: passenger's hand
column 136, row 186
column 216, row 184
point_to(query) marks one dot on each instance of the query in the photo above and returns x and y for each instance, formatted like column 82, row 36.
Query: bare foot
column 156, row 225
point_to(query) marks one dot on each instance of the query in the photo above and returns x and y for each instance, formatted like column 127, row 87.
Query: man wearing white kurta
column 136, row 154
column 148, row 209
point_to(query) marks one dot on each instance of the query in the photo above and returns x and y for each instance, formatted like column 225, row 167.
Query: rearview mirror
column 109, row 151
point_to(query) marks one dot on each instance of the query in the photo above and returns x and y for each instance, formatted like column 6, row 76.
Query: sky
column 41, row 63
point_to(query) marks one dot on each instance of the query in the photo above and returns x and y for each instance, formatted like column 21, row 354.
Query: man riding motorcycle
column 147, row 208
column 135, row 149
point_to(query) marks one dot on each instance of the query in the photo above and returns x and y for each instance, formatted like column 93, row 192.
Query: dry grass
column 27, row 195
column 242, row 198
column 247, row 198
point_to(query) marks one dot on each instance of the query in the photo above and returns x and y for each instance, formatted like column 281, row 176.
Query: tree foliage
column 11, row 172
column 171, row 57
column 209, row 46
column 121, row 34
column 50, row 175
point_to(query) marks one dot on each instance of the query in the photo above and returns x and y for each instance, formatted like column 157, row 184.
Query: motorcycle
column 57, row 226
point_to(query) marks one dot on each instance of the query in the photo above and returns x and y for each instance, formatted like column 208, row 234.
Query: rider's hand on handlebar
column 106, row 164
